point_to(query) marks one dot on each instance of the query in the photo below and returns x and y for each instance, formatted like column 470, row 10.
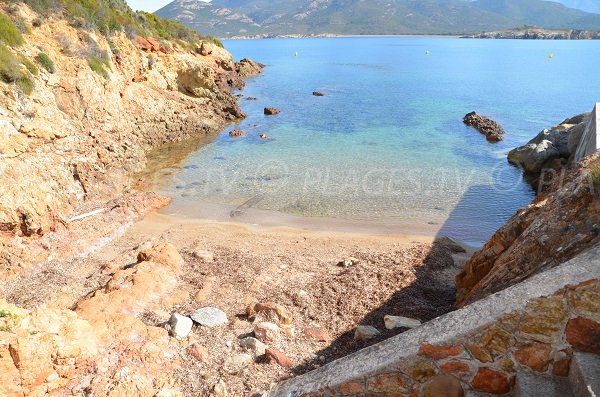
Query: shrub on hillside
column 9, row 33
column 29, row 65
column 99, row 65
column 44, row 60
column 11, row 71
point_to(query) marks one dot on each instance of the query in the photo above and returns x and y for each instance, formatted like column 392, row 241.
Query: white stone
column 210, row 317
column 254, row 345
column 365, row 332
column 392, row 322
column 266, row 332
column 220, row 389
column 235, row 364
column 204, row 255
column 181, row 326
column 348, row 262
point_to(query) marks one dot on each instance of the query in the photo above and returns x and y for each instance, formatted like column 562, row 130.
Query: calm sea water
column 387, row 144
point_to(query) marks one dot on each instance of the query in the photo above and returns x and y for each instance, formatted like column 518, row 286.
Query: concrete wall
column 533, row 326
column 590, row 141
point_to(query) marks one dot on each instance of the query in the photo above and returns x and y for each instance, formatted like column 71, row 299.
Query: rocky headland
column 539, row 34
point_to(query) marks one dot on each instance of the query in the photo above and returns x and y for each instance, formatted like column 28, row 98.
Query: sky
column 148, row 5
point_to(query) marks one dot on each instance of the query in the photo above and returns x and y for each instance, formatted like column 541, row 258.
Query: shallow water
column 386, row 145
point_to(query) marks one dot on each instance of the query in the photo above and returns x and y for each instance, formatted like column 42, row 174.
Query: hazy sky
column 147, row 5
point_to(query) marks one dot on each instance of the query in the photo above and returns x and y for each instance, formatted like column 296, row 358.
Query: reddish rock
column 452, row 367
column 388, row 382
column 351, row 388
column 535, row 356
column 200, row 353
column 439, row 352
column 561, row 367
column 273, row 310
column 143, row 44
column 488, row 127
column 279, row 358
column 583, row 335
column 490, row 381
column 154, row 43
column 444, row 386
column 317, row 333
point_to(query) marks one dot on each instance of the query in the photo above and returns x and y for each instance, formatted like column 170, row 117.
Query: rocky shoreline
column 538, row 34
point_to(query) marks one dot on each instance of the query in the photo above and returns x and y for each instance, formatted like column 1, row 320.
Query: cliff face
column 563, row 221
column 79, row 136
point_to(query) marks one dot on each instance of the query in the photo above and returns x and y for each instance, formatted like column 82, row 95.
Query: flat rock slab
column 210, row 317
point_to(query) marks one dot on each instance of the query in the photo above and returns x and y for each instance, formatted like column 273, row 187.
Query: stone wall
column 534, row 326
column 590, row 142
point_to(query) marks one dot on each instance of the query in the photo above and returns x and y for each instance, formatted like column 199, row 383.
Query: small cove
column 385, row 148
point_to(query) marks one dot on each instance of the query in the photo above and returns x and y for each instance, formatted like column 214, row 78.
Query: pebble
column 317, row 333
column 203, row 255
column 365, row 332
column 236, row 363
column 210, row 317
column 278, row 357
column 254, row 345
column 348, row 262
column 392, row 322
column 220, row 389
column 180, row 326
column 200, row 353
column 266, row 332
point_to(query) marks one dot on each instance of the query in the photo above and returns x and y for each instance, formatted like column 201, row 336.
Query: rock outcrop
column 560, row 223
column 559, row 142
column 540, row 34
column 100, row 347
column 488, row 127
column 79, row 136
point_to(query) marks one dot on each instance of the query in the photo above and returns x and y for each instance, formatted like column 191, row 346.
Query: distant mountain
column 233, row 18
column 584, row 5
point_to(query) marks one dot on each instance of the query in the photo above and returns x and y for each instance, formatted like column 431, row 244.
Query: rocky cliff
column 85, row 126
column 562, row 221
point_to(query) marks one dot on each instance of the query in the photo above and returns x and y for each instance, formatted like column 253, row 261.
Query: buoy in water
column 550, row 56
column 426, row 52
column 296, row 53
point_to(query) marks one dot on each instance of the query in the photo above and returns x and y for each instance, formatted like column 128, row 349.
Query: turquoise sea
column 386, row 144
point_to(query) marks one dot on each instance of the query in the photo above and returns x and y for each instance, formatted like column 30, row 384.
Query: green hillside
column 229, row 18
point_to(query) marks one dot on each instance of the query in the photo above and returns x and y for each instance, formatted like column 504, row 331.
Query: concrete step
column 536, row 385
column 584, row 375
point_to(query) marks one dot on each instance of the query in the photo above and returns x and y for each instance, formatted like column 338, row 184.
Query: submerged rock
column 210, row 317
column 271, row 111
column 236, row 133
column 488, row 127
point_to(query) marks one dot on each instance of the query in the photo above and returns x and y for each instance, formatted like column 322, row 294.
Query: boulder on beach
column 271, row 111
column 488, row 127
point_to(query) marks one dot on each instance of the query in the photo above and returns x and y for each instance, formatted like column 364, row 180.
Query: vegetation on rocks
column 12, row 70
column 99, row 65
column 44, row 60
column 108, row 16
column 9, row 33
